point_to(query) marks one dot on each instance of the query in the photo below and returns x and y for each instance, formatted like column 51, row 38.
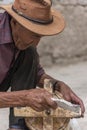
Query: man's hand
column 69, row 95
column 39, row 99
column 65, row 90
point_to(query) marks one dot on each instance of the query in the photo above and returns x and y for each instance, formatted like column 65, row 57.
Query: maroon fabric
column 7, row 48
column 6, row 56
column 5, row 31
column 40, row 72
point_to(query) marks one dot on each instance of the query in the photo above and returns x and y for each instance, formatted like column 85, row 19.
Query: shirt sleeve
column 5, row 29
column 40, row 72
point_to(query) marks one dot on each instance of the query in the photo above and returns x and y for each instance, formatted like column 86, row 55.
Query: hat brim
column 53, row 28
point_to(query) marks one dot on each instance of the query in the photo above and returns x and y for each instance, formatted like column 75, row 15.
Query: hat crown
column 36, row 16
column 39, row 10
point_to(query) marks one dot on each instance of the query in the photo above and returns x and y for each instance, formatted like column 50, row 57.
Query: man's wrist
column 56, row 85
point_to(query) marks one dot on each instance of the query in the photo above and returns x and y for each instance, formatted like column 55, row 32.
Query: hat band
column 31, row 19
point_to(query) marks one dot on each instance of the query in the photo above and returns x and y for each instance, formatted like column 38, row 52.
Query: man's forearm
column 12, row 99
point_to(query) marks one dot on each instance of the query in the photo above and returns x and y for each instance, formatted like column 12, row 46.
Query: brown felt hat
column 36, row 16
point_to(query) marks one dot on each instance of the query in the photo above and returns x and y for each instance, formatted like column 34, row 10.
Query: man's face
column 22, row 37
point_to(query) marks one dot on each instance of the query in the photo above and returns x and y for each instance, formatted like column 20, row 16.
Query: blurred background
column 70, row 46
column 64, row 56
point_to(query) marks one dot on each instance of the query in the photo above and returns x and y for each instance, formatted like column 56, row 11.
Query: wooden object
column 46, row 120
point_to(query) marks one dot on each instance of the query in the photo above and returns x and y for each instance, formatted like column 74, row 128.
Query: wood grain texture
column 54, row 120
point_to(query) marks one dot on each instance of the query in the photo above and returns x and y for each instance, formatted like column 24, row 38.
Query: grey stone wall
column 71, row 45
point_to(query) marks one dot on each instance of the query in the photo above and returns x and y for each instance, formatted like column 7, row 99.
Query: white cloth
column 74, row 125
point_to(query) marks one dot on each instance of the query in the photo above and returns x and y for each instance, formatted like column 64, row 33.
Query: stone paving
column 76, row 77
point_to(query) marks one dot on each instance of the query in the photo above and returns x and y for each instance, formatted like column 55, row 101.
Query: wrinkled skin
column 69, row 95
column 22, row 37
column 40, row 99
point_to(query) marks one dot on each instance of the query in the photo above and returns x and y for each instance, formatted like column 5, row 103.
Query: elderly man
column 21, row 28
